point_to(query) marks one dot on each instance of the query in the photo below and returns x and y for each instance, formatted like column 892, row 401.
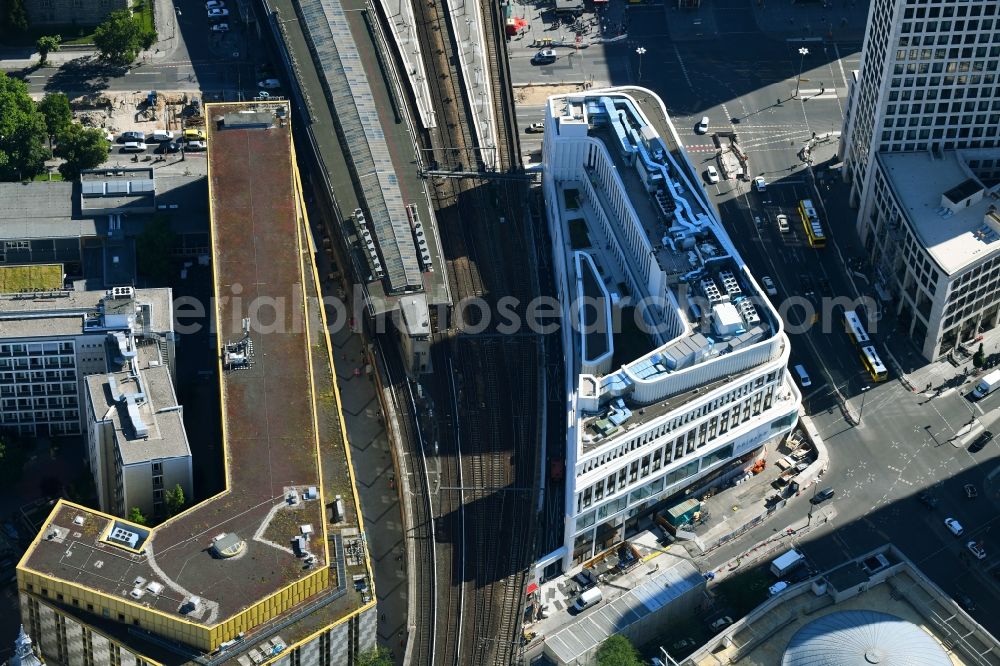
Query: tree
column 82, row 148
column 617, row 651
column 58, row 115
column 379, row 656
column 22, row 132
column 120, row 37
column 153, row 247
column 135, row 516
column 175, row 500
column 47, row 44
column 15, row 18
column 979, row 358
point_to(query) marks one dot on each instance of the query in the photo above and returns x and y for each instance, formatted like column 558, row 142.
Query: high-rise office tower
column 920, row 148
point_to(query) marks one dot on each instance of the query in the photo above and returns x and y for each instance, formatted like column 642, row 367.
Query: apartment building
column 676, row 362
column 137, row 443
column 927, row 80
column 51, row 341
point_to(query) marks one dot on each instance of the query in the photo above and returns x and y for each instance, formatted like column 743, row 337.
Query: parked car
column 214, row 4
column 585, row 580
column 977, row 550
column 535, row 128
column 928, row 500
column 970, row 491
column 769, row 286
column 712, row 175
column 194, row 135
column 134, row 147
column 269, row 84
column 161, row 136
column 777, row 588
column 822, row 496
column 218, row 12
column 196, row 146
column 721, row 623
column 131, row 136
column 953, row 526
column 168, row 147
column 220, row 27
column 759, row 184
column 544, row 57
column 682, row 644
column 109, row 137
column 984, row 438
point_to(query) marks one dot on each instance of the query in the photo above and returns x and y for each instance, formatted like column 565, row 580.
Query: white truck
column 987, row 385
column 785, row 563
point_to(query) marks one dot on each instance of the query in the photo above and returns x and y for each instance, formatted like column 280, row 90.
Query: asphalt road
column 188, row 57
column 906, row 442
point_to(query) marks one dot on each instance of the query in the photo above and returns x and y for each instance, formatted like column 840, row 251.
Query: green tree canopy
column 82, row 148
column 58, row 115
column 121, row 36
column 47, row 44
column 22, row 132
column 979, row 358
column 380, row 656
column 15, row 18
column 175, row 500
column 153, row 247
column 617, row 651
column 135, row 515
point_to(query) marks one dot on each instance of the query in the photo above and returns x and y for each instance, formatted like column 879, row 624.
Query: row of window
column 984, row 9
column 686, row 444
column 677, row 422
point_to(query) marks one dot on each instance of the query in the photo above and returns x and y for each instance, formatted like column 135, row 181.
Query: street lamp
column 864, row 392
column 641, row 51
column 803, row 52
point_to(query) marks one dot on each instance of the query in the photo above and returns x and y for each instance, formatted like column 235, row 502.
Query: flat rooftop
column 270, row 439
column 676, row 239
column 954, row 240
column 158, row 410
column 64, row 312
column 42, row 210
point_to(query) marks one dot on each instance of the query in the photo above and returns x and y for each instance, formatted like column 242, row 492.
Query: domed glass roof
column 860, row 638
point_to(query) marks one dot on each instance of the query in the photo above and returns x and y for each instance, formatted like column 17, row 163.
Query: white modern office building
column 676, row 362
column 927, row 81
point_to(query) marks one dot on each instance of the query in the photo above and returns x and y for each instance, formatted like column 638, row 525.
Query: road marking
column 684, row 70
column 840, row 63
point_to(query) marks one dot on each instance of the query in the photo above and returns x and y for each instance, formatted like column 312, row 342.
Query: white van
column 162, row 136
column 803, row 376
column 588, row 598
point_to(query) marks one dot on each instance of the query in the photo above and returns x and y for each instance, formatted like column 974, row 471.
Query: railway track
column 422, row 527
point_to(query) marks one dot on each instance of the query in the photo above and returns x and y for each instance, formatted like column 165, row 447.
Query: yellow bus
column 874, row 364
column 811, row 223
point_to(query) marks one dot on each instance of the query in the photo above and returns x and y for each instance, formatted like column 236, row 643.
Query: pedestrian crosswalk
column 818, row 93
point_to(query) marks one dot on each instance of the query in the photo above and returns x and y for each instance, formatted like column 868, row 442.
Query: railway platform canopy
column 261, row 564
column 362, row 140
